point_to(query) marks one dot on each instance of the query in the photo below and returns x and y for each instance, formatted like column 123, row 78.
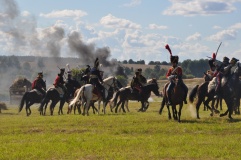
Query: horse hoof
column 221, row 115
column 211, row 114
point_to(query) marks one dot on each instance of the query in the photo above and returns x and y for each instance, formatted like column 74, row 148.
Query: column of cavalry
column 97, row 89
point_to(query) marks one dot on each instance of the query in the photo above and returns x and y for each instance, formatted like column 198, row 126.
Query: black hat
column 234, row 60
column 139, row 69
column 225, row 59
column 62, row 69
column 174, row 59
column 88, row 66
column 40, row 73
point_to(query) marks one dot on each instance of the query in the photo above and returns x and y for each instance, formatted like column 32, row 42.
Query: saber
column 218, row 49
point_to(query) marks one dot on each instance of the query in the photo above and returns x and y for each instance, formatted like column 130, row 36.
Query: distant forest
column 28, row 66
column 191, row 68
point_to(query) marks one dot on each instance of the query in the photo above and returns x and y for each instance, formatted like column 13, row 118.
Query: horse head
column 111, row 82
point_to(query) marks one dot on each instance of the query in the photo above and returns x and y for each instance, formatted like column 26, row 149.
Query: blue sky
column 130, row 29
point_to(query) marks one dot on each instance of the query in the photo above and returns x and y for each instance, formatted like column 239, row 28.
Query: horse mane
column 108, row 78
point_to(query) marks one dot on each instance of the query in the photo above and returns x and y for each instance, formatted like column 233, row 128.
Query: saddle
column 96, row 91
column 59, row 90
column 37, row 91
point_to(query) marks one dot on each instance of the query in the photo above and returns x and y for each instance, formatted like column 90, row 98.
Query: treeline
column 191, row 68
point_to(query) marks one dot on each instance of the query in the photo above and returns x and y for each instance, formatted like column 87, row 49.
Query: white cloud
column 196, row 36
column 114, row 22
column 133, row 3
column 236, row 26
column 228, row 34
column 155, row 26
column 198, row 7
column 64, row 13
column 25, row 14
column 217, row 27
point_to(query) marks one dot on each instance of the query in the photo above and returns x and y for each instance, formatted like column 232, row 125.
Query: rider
column 219, row 73
column 135, row 82
column 95, row 78
column 141, row 78
column 175, row 72
column 86, row 75
column 211, row 62
column 59, row 82
column 39, row 84
column 71, row 84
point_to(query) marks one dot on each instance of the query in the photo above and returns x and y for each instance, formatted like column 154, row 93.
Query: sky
column 121, row 29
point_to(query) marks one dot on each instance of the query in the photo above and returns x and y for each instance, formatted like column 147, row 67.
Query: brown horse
column 177, row 99
column 125, row 94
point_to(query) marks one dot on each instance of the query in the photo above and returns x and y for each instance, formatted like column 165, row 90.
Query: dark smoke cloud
column 88, row 53
column 27, row 39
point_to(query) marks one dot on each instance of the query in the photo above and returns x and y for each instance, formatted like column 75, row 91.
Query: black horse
column 53, row 95
column 125, row 94
column 29, row 98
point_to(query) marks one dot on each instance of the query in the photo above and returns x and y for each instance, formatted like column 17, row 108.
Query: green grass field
column 131, row 135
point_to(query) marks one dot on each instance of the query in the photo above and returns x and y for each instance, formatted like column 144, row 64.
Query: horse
column 177, row 98
column 125, row 94
column 53, row 95
column 149, row 81
column 29, row 98
column 87, row 94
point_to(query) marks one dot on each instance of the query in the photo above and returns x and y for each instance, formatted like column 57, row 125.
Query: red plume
column 214, row 56
column 168, row 48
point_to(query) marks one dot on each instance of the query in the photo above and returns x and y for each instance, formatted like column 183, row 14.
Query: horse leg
column 117, row 105
column 174, row 112
column 169, row 113
column 126, row 104
column 180, row 112
column 123, row 106
column 61, row 105
column 162, row 105
column 52, row 105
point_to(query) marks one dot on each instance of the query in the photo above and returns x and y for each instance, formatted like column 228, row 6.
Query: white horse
column 86, row 95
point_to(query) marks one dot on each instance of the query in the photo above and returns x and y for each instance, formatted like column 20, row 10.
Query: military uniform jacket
column 59, row 81
column 135, row 82
column 39, row 84
column 174, row 71
column 95, row 75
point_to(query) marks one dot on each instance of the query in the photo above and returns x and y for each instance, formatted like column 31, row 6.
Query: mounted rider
column 136, row 85
column 96, row 78
column 71, row 84
column 39, row 84
column 174, row 73
column 86, row 75
column 59, row 83
column 141, row 78
column 219, row 73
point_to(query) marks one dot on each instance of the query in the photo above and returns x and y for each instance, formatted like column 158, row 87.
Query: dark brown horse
column 177, row 99
column 227, row 94
column 125, row 94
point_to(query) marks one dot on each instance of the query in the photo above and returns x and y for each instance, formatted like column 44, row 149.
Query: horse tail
column 193, row 93
column 22, row 102
column 113, row 101
column 77, row 97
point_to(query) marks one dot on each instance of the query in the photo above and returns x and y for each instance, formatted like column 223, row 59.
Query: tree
column 26, row 66
column 125, row 62
column 40, row 63
column 131, row 61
